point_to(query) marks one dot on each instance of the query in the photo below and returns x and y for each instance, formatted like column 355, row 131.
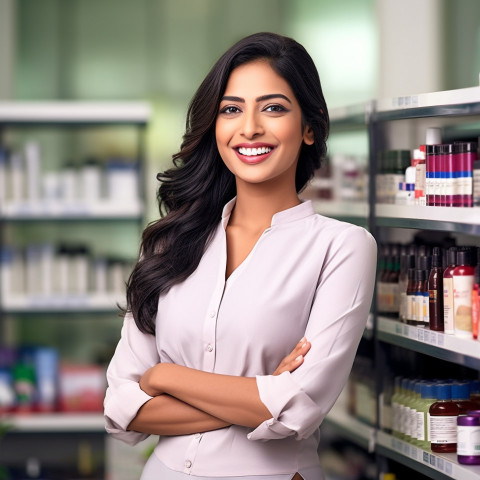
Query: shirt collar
column 305, row 209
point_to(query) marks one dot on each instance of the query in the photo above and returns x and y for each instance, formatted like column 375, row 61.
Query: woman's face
column 259, row 125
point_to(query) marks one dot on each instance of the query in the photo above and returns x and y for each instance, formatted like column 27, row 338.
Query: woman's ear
column 308, row 135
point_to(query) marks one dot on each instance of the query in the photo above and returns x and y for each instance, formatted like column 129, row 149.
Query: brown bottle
column 435, row 291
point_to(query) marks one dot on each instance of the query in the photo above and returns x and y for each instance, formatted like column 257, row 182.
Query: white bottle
column 17, row 178
column 91, row 181
column 32, row 164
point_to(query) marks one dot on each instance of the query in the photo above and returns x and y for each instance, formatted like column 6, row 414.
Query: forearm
column 235, row 400
column 166, row 415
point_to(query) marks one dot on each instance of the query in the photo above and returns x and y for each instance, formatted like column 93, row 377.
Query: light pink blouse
column 307, row 275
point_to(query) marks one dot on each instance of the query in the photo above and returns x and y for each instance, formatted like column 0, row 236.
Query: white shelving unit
column 16, row 115
column 459, row 105
column 54, row 423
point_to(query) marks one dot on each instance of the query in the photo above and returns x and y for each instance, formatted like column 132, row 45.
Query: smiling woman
column 236, row 341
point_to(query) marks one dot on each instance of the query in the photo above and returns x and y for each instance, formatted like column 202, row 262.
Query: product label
column 413, row 423
column 448, row 305
column 410, row 307
column 426, row 309
column 443, row 429
column 462, row 303
column 418, row 307
column 420, row 426
column 476, row 187
column 468, row 442
column 395, row 408
column 420, row 180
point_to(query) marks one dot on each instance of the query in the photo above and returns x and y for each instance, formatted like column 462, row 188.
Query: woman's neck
column 256, row 205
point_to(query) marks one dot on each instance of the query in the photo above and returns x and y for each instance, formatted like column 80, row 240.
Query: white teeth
column 254, row 151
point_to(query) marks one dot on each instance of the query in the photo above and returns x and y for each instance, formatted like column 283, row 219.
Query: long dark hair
column 192, row 195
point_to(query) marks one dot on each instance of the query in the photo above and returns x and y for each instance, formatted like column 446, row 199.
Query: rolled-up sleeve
column 136, row 352
column 299, row 401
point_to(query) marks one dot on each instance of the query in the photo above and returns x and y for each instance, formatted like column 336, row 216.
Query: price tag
column 432, row 460
column 413, row 453
column 407, row 449
column 448, row 468
column 398, row 329
column 425, row 457
column 440, row 464
column 420, row 334
column 426, row 336
column 433, row 338
column 441, row 340
column 413, row 333
column 405, row 330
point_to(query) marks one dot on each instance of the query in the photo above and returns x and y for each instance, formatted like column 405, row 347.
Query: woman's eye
column 230, row 110
column 275, row 108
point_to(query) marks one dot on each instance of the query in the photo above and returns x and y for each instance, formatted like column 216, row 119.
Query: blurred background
column 131, row 68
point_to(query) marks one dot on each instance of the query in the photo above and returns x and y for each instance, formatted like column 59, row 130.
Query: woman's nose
column 252, row 125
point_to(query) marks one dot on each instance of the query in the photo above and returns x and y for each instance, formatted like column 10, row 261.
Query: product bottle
column 396, row 406
column 418, row 297
column 476, row 299
column 435, row 292
column 468, row 154
column 420, row 175
column 447, row 175
column 476, row 183
column 414, row 399
column 427, row 399
column 443, row 421
column 463, row 281
column 410, row 314
column 448, row 317
column 468, row 436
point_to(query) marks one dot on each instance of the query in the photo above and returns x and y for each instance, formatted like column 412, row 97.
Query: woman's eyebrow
column 258, row 99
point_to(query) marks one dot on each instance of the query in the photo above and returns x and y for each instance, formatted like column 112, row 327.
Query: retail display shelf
column 351, row 428
column 60, row 304
column 350, row 116
column 82, row 211
column 455, row 219
column 434, row 465
column 465, row 101
column 37, row 113
column 462, row 351
column 342, row 209
column 54, row 422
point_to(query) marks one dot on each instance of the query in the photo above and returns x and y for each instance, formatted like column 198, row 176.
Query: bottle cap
column 443, row 391
column 463, row 257
column 437, row 257
column 460, row 391
column 451, row 256
column 427, row 390
column 434, row 136
column 465, row 147
column 470, row 419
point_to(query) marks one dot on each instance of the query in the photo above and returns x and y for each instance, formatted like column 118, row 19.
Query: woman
column 233, row 275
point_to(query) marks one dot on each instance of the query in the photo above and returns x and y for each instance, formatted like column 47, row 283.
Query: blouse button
column 188, row 464
column 209, row 348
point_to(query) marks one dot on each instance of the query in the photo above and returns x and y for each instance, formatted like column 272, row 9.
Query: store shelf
column 434, row 465
column 351, row 428
column 357, row 211
column 51, row 423
column 105, row 210
column 352, row 116
column 462, row 351
column 60, row 304
column 465, row 101
column 53, row 113
column 454, row 219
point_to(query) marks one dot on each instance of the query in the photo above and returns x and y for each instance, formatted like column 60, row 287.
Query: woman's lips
column 253, row 153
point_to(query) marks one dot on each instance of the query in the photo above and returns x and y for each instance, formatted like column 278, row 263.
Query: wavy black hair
column 193, row 193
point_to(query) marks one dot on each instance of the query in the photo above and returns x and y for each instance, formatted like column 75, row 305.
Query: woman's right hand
column 295, row 358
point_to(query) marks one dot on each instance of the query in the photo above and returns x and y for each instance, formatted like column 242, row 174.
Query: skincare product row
column 438, row 415
column 32, row 379
column 25, row 186
column 49, row 271
column 432, row 287
column 342, row 178
column 436, row 174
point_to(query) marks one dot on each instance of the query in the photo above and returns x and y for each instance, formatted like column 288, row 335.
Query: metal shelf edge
column 55, row 422
column 437, row 466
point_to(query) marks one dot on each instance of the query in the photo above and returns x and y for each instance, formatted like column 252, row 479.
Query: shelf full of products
column 71, row 183
column 429, row 192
